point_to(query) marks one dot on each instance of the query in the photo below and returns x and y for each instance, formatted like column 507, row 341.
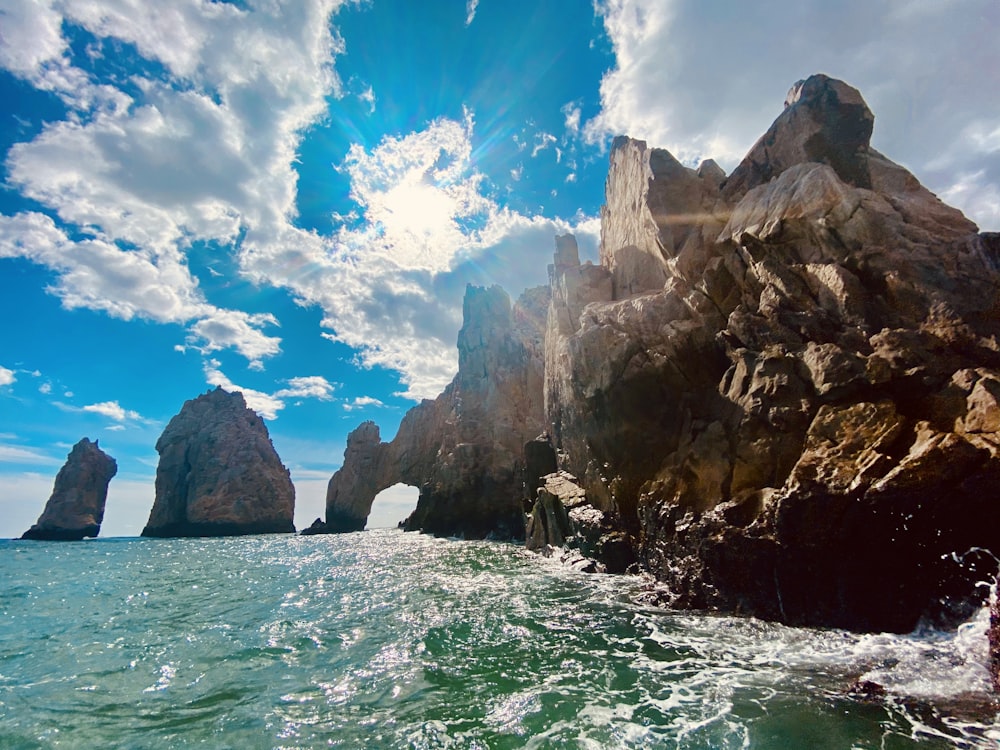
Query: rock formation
column 463, row 450
column 219, row 474
column 782, row 387
column 76, row 508
column 791, row 399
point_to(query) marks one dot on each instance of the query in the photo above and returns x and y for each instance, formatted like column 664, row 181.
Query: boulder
column 219, row 474
column 76, row 507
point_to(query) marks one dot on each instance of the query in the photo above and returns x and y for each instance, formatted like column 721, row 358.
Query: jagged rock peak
column 219, row 474
column 76, row 508
column 825, row 121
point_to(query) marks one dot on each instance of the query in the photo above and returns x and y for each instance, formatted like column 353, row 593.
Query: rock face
column 463, row 450
column 791, row 400
column 781, row 387
column 76, row 508
column 219, row 474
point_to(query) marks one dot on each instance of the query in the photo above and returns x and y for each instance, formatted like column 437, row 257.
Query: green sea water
column 388, row 640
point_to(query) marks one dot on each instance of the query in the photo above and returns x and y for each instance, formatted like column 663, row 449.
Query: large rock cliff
column 463, row 450
column 219, row 474
column 792, row 400
column 76, row 507
column 781, row 386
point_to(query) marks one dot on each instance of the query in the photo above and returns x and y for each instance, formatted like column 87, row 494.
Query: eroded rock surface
column 789, row 400
column 463, row 450
column 76, row 507
column 781, row 387
column 219, row 474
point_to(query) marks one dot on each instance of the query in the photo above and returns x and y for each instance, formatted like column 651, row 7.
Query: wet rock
column 76, row 507
column 994, row 639
column 316, row 527
column 219, row 474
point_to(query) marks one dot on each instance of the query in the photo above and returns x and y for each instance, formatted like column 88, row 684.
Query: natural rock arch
column 463, row 450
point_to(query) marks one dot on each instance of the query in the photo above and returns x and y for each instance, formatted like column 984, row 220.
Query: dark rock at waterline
column 76, row 507
column 316, row 527
column 994, row 639
column 219, row 474
column 562, row 517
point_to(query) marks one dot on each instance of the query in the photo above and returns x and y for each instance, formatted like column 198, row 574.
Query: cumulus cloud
column 665, row 89
column 266, row 405
column 391, row 284
column 7, row 377
column 310, row 386
column 361, row 402
column 112, row 410
column 136, row 175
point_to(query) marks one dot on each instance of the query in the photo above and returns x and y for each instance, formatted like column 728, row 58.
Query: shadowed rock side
column 994, row 640
column 76, row 508
column 785, row 386
column 219, row 474
column 462, row 450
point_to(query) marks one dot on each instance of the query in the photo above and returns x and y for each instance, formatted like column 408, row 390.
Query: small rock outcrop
column 463, row 450
column 76, row 508
column 219, row 474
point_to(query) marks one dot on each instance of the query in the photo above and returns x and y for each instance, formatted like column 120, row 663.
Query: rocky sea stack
column 76, row 508
column 780, row 387
column 219, row 474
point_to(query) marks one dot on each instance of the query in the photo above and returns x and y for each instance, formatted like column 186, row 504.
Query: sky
column 289, row 198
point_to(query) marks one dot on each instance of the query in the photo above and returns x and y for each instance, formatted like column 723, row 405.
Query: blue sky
column 288, row 198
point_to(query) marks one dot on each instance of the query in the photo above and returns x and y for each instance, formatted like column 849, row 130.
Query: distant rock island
column 219, row 474
column 780, row 388
column 76, row 507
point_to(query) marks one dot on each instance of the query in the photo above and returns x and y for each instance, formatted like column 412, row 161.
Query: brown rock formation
column 76, row 508
column 789, row 401
column 219, row 474
column 464, row 449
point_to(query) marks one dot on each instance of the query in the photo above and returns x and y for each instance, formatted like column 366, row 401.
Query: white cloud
column 361, row 402
column 112, row 410
column 19, row 454
column 665, row 89
column 310, row 386
column 542, row 141
column 194, row 157
column 7, row 377
column 265, row 405
column 391, row 287
column 45, row 388
column 572, row 112
column 470, row 11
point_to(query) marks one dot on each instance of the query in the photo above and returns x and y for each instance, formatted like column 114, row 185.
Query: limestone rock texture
column 76, row 507
column 219, row 474
column 463, row 450
column 784, row 385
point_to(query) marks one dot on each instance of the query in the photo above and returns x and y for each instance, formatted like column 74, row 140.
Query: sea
column 385, row 639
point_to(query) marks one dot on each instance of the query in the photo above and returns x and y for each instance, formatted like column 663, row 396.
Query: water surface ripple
column 390, row 640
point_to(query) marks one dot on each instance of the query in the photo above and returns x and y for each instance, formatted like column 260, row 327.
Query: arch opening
column 392, row 505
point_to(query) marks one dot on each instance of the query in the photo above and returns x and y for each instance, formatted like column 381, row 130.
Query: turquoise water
column 390, row 640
